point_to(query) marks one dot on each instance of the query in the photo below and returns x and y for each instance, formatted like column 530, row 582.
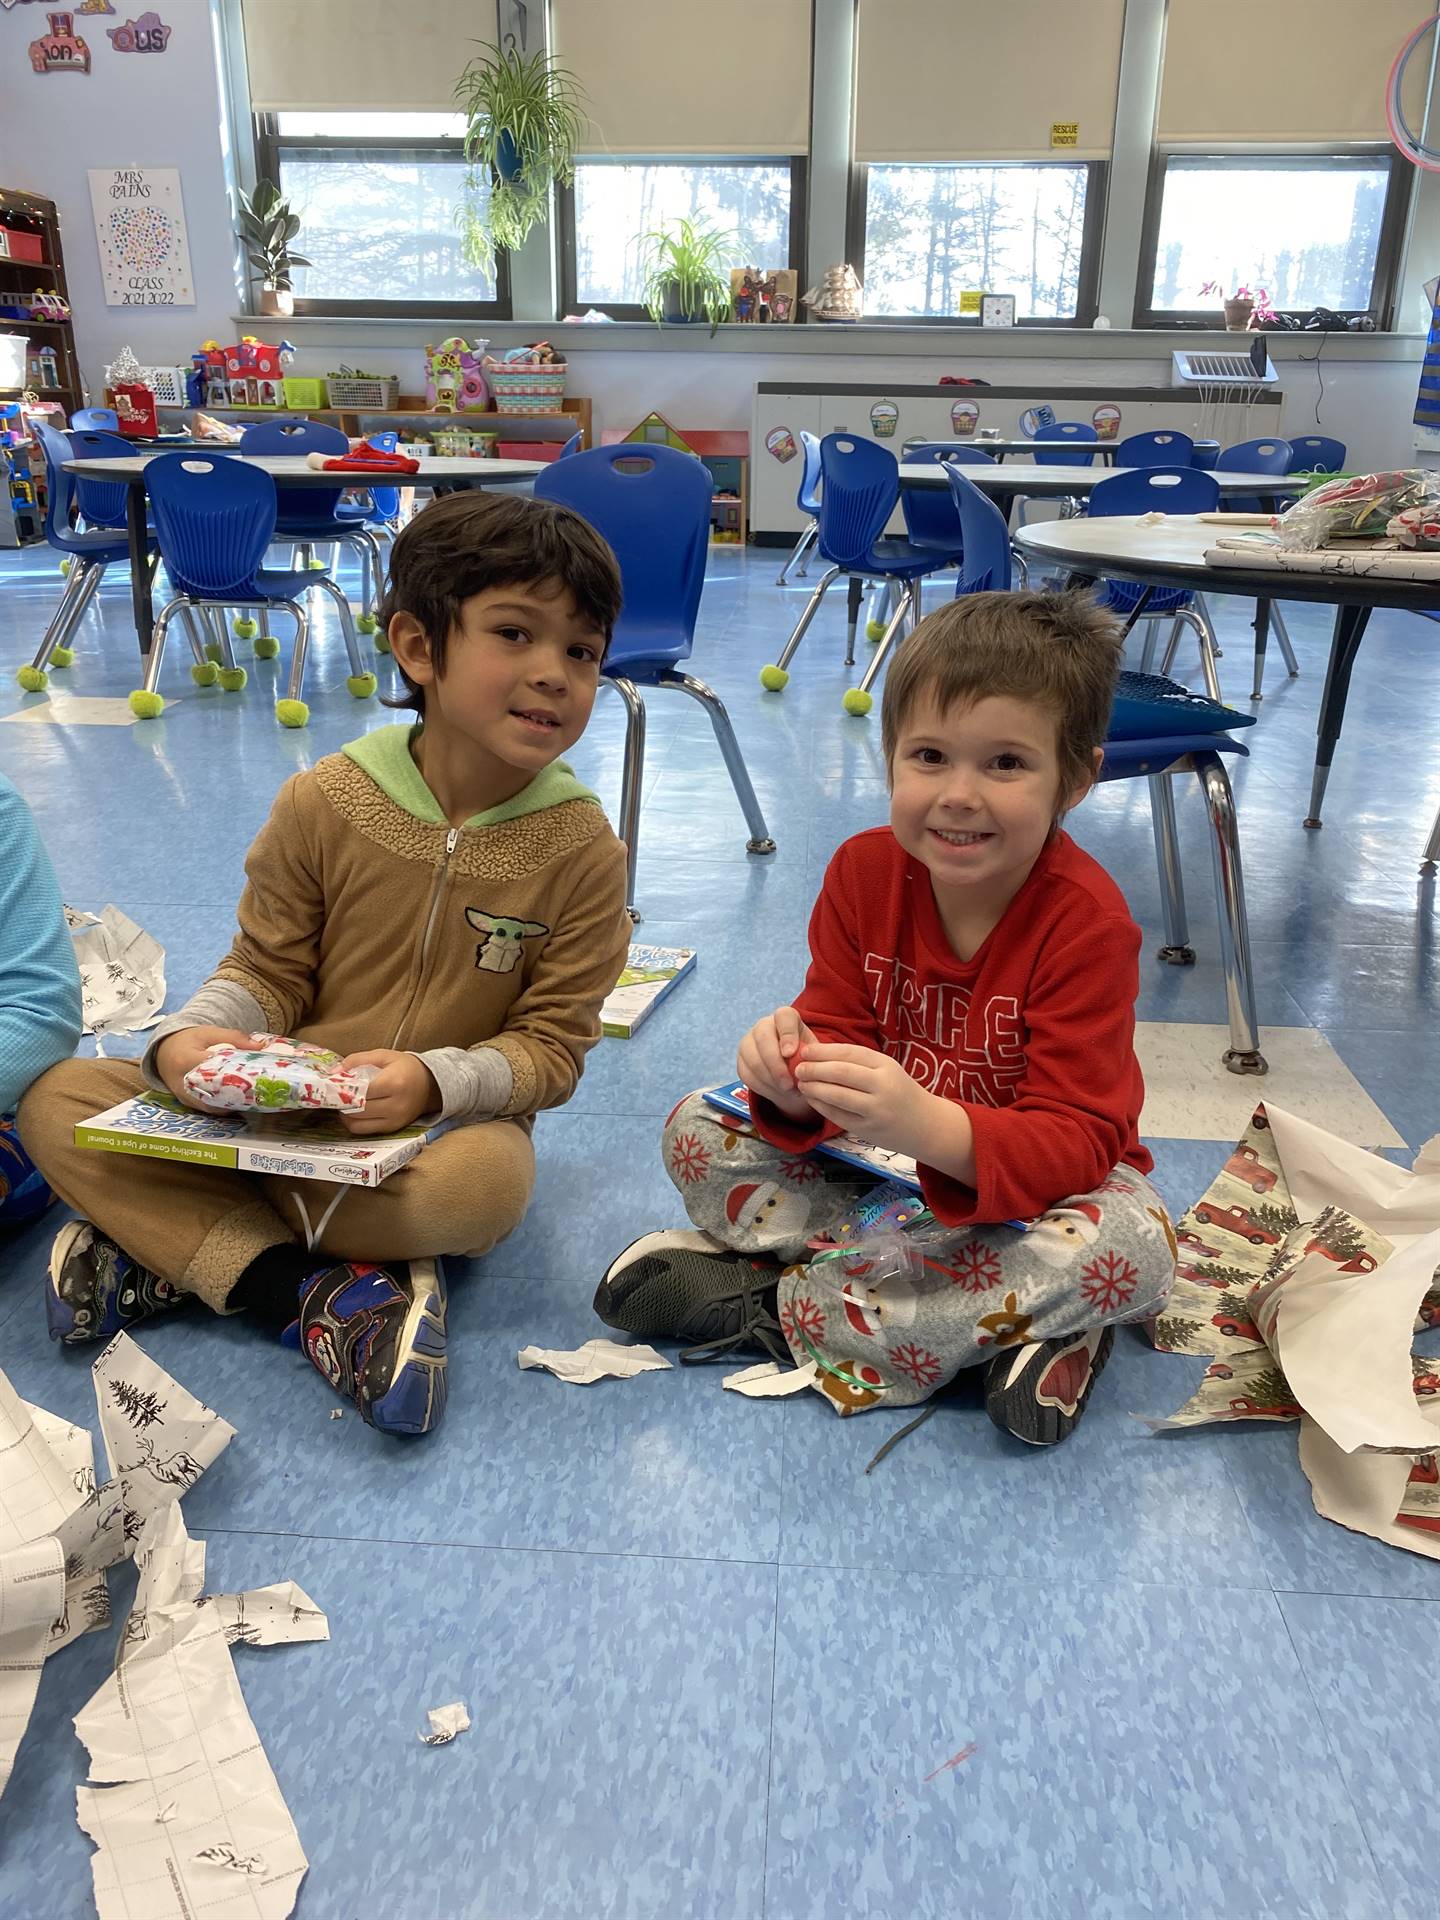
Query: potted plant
column 267, row 227
column 686, row 272
column 1241, row 308
column 524, row 118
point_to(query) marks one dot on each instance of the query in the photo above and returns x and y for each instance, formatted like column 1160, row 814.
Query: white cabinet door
column 775, row 459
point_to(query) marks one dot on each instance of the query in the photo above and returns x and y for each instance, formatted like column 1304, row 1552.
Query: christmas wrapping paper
column 1304, row 1273
column 275, row 1075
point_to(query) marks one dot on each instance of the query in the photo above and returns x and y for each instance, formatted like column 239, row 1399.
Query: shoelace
column 757, row 1323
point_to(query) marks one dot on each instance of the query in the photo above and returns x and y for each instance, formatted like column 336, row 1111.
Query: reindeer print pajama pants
column 1092, row 1259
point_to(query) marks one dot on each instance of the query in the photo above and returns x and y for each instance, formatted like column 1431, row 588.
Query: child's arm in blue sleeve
column 39, row 981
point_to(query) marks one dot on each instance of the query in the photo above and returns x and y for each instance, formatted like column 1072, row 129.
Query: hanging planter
column 524, row 118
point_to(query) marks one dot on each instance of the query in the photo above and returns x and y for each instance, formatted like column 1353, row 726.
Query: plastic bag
column 275, row 1075
column 1359, row 509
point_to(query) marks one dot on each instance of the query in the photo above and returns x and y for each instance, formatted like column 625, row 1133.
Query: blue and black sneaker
column 94, row 1290
column 378, row 1336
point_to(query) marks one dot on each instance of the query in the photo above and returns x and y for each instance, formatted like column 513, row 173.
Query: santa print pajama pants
column 1094, row 1258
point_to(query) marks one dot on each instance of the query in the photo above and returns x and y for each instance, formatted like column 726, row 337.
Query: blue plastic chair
column 807, row 499
column 1180, row 489
column 96, row 420
column 102, row 503
column 214, row 519
column 90, row 552
column 859, row 488
column 652, row 504
column 1068, row 443
column 1271, row 455
column 1316, row 453
column 1275, row 456
column 314, row 516
column 1165, row 447
column 571, row 446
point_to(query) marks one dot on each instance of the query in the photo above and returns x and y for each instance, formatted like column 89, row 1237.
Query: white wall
column 131, row 109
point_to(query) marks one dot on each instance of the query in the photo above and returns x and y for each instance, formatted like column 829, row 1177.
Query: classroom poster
column 140, row 231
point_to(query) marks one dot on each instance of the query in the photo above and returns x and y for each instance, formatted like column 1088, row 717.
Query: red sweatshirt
column 1035, row 1037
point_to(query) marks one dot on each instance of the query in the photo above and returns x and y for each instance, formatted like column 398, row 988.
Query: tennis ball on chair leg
column 146, row 706
column 214, row 651
column 382, row 643
column 244, row 628
column 292, row 713
column 33, row 679
column 362, row 685
column 205, row 676
column 266, row 647
column 857, row 701
column 874, row 630
column 62, row 657
column 774, row 679
column 366, row 623
column 232, row 679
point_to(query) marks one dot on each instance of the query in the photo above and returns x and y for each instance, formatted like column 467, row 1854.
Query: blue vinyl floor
column 713, row 1670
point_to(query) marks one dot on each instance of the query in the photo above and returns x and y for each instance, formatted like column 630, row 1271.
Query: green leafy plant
column 524, row 118
column 267, row 226
column 686, row 271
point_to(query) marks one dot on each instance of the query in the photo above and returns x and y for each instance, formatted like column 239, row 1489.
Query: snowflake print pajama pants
column 1092, row 1259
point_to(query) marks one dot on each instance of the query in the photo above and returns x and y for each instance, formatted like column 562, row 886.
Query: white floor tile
column 1191, row 1095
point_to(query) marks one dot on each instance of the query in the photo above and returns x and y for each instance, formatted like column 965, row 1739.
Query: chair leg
column 302, row 645
column 859, row 700
column 787, row 654
column 1203, row 607
column 1177, row 950
column 632, row 781
column 1432, row 848
column 191, row 617
column 759, row 841
column 797, row 554
column 347, row 627
column 1244, row 1055
column 852, row 614
column 157, row 644
column 1282, row 634
column 1189, row 617
column 1263, row 614
column 65, row 619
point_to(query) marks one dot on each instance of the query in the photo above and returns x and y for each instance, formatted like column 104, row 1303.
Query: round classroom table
column 1171, row 553
column 1022, row 443
column 293, row 469
column 1045, row 482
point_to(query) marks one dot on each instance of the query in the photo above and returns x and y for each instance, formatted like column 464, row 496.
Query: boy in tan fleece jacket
column 443, row 902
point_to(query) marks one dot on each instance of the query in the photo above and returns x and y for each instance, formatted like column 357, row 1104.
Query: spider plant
column 686, row 272
column 524, row 117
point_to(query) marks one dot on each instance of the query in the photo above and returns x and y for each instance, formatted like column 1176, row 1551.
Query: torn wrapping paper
column 1304, row 1272
column 770, row 1381
column 596, row 1360
column 445, row 1723
column 276, row 1075
column 122, row 972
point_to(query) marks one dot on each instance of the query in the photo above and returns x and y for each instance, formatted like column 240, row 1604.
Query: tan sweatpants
column 200, row 1227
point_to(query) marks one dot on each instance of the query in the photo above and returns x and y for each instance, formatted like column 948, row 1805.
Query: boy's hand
column 177, row 1053
column 401, row 1091
column 768, row 1056
column 868, row 1093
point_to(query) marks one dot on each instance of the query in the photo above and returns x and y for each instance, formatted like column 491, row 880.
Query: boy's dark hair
column 465, row 543
column 1057, row 650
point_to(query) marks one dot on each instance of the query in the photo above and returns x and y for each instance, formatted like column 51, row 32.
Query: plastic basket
column 525, row 389
column 367, row 392
column 304, row 394
column 167, row 384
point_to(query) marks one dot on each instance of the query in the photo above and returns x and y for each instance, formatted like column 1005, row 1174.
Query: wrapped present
column 275, row 1075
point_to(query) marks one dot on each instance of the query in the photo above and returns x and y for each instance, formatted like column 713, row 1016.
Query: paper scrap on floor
column 122, row 973
column 182, row 1806
column 1305, row 1272
column 770, row 1381
column 445, row 1723
column 596, row 1360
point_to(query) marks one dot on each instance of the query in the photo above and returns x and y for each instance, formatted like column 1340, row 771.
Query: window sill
column 881, row 339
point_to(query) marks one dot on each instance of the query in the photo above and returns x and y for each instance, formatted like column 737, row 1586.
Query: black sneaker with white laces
column 1038, row 1390
column 683, row 1286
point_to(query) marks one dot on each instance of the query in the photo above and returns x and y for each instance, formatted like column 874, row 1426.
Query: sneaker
column 682, row 1286
column 378, row 1336
column 1038, row 1391
column 94, row 1289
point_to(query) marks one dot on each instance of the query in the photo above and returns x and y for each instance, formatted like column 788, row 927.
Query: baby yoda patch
column 501, row 946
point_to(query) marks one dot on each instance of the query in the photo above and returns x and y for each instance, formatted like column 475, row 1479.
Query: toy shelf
column 574, row 411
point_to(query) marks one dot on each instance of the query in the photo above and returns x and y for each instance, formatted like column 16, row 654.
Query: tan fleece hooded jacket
column 368, row 921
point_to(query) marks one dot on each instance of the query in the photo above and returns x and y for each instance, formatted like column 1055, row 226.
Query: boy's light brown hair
column 1055, row 650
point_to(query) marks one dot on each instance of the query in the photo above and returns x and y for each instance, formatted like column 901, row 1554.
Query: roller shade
column 986, row 79
column 324, row 56
column 689, row 76
column 1285, row 72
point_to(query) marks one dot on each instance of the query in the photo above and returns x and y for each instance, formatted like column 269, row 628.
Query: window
column 1313, row 230
column 615, row 201
column 924, row 234
column 377, row 195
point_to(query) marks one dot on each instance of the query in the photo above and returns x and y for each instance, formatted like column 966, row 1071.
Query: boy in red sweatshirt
column 970, row 1004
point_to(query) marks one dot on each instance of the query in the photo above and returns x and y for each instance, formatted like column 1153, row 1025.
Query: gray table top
column 1171, row 553
column 292, row 469
column 1023, row 443
column 1043, row 479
